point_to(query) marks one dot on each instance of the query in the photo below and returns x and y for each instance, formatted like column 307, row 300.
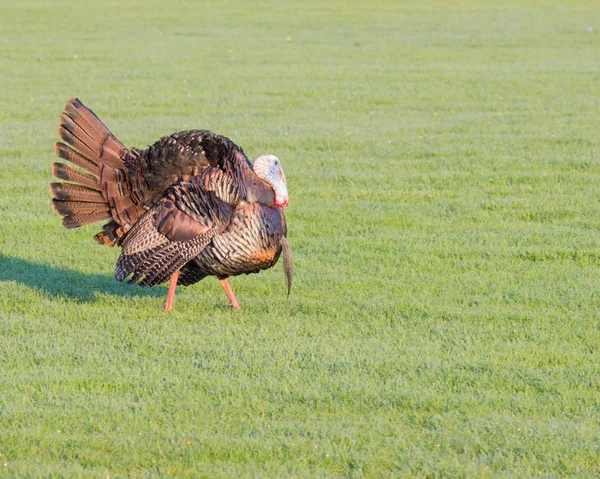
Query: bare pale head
column 268, row 168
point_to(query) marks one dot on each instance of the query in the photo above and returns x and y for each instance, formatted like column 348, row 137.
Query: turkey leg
column 171, row 294
column 232, row 301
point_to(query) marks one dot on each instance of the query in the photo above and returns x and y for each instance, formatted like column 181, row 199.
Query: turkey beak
column 281, row 175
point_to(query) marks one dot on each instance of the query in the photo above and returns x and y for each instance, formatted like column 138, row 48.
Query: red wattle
column 281, row 202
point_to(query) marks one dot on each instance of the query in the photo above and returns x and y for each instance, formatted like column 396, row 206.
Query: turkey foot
column 171, row 294
column 232, row 301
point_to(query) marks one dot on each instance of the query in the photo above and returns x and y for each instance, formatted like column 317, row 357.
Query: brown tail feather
column 81, row 128
column 64, row 172
column 87, row 118
column 79, row 145
column 66, row 191
column 69, row 124
column 111, row 233
column 71, row 208
column 103, row 194
column 80, row 220
column 67, row 153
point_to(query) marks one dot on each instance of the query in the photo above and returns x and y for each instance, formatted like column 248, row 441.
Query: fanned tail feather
column 111, row 233
column 82, row 129
column 67, row 153
column 70, row 208
column 72, row 192
column 64, row 172
column 100, row 192
column 78, row 220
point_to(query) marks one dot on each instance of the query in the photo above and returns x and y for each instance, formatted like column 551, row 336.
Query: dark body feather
column 251, row 242
column 189, row 202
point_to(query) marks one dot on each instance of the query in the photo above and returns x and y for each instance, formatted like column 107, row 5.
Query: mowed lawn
column 442, row 163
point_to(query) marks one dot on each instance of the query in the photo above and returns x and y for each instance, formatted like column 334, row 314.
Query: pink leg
column 171, row 293
column 232, row 301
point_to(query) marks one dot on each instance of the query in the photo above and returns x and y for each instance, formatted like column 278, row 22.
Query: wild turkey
column 189, row 206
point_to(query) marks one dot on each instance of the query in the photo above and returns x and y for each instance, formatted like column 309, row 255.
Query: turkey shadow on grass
column 53, row 280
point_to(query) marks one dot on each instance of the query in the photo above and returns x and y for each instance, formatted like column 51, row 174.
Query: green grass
column 442, row 162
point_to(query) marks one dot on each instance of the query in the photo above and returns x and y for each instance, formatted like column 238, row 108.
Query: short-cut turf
column 442, row 162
